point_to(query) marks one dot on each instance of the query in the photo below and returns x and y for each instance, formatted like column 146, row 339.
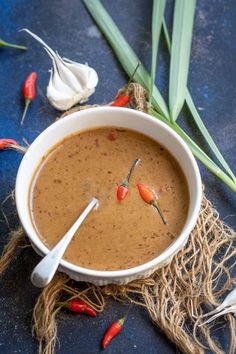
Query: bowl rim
column 168, row 252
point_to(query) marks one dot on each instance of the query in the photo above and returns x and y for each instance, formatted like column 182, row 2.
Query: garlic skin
column 70, row 82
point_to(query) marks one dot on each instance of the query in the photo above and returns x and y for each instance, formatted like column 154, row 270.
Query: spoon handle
column 45, row 270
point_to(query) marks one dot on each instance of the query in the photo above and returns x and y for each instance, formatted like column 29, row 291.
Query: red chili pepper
column 11, row 144
column 123, row 98
column 122, row 192
column 122, row 189
column 28, row 91
column 113, row 330
column 150, row 197
column 5, row 143
column 78, row 306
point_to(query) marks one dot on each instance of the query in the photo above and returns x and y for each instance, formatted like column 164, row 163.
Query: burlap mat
column 195, row 280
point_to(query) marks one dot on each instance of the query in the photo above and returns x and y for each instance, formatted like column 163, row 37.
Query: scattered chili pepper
column 78, row 306
column 150, row 197
column 123, row 97
column 11, row 144
column 6, row 44
column 114, row 329
column 123, row 188
column 28, row 91
column 121, row 100
column 5, row 143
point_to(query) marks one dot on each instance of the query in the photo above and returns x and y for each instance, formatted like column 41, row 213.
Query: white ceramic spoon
column 45, row 270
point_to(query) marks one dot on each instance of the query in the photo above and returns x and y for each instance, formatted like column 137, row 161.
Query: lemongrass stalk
column 180, row 55
column 197, row 151
column 124, row 52
column 157, row 15
column 197, row 118
column 166, row 34
column 118, row 43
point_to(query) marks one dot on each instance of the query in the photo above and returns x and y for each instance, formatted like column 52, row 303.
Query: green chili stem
column 27, row 103
column 136, row 162
column 123, row 319
column 132, row 76
column 156, row 205
column 63, row 304
column 125, row 89
column 6, row 44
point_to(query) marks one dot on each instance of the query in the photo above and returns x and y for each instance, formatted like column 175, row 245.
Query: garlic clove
column 60, row 99
column 64, row 72
column 70, row 82
column 93, row 79
column 86, row 94
column 87, row 75
column 66, row 75
column 58, row 83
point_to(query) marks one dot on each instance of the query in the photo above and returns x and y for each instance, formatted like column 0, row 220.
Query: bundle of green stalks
column 179, row 49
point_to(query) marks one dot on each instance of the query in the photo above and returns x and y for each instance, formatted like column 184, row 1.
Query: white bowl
column 100, row 117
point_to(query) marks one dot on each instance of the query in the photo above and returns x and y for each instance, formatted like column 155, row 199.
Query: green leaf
column 207, row 136
column 166, row 34
column 197, row 151
column 124, row 52
column 198, row 120
column 180, row 54
column 157, row 16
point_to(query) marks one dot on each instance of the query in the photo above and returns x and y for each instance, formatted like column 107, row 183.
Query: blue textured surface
column 67, row 27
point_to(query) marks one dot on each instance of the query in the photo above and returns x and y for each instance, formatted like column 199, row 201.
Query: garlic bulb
column 70, row 82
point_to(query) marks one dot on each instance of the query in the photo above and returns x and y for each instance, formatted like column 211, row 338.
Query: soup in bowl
column 89, row 154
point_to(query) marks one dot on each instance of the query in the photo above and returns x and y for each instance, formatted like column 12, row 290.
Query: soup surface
column 92, row 164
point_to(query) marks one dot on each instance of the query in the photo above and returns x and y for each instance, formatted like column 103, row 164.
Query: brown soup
column 92, row 164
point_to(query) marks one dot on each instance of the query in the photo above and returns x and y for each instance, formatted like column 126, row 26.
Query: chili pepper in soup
column 118, row 235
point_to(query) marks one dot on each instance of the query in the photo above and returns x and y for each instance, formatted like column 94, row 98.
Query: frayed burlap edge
column 175, row 295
